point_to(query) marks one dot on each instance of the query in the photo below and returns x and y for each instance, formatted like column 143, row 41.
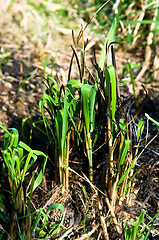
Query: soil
column 19, row 98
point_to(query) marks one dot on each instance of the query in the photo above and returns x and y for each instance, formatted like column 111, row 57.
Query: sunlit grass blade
column 15, row 137
column 45, row 65
column 151, row 119
column 153, row 221
column 88, row 100
column 132, row 233
column 124, row 151
column 125, row 174
column 111, row 89
column 56, row 225
column 40, row 122
column 20, row 235
column 26, row 81
column 75, row 83
column 140, row 129
column 137, row 224
column 142, row 22
column 64, row 137
column 110, row 38
column 31, row 130
column 1, row 126
column 40, row 214
column 132, row 82
column 50, row 102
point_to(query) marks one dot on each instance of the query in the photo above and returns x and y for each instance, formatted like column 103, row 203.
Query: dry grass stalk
column 148, row 51
column 86, row 236
column 102, row 219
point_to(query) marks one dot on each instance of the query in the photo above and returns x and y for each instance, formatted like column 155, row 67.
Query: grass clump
column 104, row 125
column 18, row 159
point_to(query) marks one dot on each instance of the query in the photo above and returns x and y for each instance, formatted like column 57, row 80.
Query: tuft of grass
column 18, row 159
column 134, row 232
column 102, row 120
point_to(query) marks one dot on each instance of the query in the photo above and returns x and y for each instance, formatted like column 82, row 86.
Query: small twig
column 86, row 236
column 147, row 146
column 66, row 233
column 95, row 14
column 87, row 180
column 49, row 201
column 153, row 151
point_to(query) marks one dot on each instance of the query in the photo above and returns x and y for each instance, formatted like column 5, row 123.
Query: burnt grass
column 17, row 102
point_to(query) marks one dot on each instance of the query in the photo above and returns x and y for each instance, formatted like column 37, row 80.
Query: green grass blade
column 75, row 127
column 85, row 91
column 126, row 68
column 88, row 101
column 39, row 128
column 75, row 83
column 7, row 158
column 125, row 174
column 132, row 81
column 137, row 224
column 39, row 178
column 127, row 185
column 64, row 124
column 92, row 112
column 58, row 124
column 38, row 219
column 31, row 130
column 50, row 102
column 1, row 126
column 26, row 80
column 142, row 22
column 124, row 151
column 3, row 218
column 108, row 88
column 56, row 206
column 26, row 165
column 18, row 160
column 45, row 65
column 154, row 219
column 52, row 207
column 85, row 193
column 110, row 38
column 111, row 89
column 88, row 93
column 151, row 119
column 140, row 129
column 20, row 235
column 14, row 137
column 24, row 146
